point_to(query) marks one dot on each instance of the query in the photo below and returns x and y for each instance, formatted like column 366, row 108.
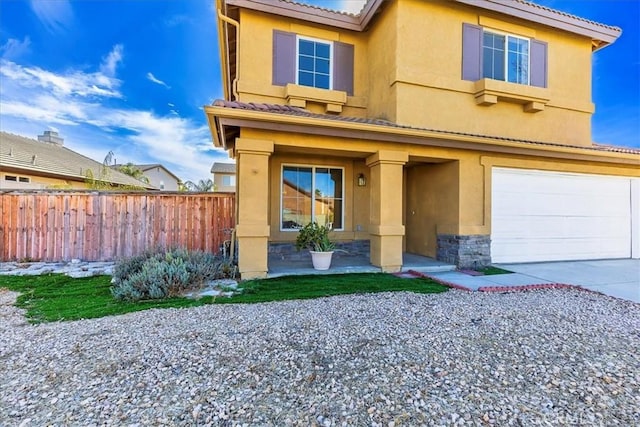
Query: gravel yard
column 537, row 358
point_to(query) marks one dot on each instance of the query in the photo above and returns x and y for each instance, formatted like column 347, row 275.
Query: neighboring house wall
column 224, row 182
column 36, row 182
column 160, row 178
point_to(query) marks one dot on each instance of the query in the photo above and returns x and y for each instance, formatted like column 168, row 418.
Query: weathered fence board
column 104, row 226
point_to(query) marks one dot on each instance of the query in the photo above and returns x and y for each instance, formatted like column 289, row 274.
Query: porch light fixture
column 362, row 180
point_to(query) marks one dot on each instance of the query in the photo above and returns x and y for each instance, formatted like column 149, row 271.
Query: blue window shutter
column 471, row 52
column 284, row 58
column 343, row 67
column 538, row 75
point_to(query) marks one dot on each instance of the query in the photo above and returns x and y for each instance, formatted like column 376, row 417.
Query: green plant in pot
column 315, row 237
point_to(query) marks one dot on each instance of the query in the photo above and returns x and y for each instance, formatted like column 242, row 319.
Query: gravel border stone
column 546, row 357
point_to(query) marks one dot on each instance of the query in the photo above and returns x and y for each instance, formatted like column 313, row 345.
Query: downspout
column 234, row 84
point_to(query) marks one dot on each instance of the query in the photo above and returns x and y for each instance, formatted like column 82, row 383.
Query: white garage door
column 552, row 216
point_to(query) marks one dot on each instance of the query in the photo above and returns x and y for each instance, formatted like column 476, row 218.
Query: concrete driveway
column 619, row 278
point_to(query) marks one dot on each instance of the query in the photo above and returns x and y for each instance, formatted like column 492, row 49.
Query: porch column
column 252, row 195
column 386, row 227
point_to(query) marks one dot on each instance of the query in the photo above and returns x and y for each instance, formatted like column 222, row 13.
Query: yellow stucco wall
column 433, row 200
column 429, row 77
column 39, row 182
column 408, row 70
column 256, row 59
column 449, row 189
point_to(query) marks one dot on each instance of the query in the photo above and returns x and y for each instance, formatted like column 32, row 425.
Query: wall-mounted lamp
column 362, row 180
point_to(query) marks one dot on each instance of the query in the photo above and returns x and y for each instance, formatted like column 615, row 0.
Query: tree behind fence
column 92, row 226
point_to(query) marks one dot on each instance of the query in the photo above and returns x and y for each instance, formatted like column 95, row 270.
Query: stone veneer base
column 464, row 251
column 287, row 251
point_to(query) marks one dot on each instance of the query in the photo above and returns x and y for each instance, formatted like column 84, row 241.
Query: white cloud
column 156, row 80
column 56, row 16
column 352, row 6
column 15, row 48
column 68, row 83
column 110, row 63
column 81, row 104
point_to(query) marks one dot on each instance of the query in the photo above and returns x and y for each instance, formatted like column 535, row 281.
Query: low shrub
column 157, row 274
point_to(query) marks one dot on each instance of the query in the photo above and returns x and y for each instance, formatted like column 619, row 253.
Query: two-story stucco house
column 455, row 129
column 224, row 177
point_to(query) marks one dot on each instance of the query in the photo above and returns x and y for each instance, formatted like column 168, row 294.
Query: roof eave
column 602, row 35
column 306, row 13
column 276, row 121
column 214, row 127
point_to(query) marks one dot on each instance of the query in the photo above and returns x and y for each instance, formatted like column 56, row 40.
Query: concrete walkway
column 352, row 264
column 617, row 278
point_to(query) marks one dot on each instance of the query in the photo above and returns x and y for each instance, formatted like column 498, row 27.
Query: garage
column 554, row 216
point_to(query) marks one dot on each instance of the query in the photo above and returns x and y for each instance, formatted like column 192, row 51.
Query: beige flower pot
column 321, row 260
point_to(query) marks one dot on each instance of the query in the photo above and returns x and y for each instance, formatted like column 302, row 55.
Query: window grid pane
column 314, row 64
column 518, row 66
column 505, row 58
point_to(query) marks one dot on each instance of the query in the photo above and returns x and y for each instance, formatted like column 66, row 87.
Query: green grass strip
column 54, row 297
column 317, row 286
column 491, row 271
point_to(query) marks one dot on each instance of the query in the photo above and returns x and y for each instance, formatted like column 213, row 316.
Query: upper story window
column 314, row 63
column 494, row 55
column 306, row 61
column 505, row 57
column 228, row 180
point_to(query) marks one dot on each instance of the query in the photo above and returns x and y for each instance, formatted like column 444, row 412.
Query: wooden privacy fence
column 104, row 226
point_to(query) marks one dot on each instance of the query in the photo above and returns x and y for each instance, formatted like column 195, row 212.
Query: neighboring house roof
column 286, row 110
column 223, row 168
column 146, row 167
column 601, row 34
column 44, row 158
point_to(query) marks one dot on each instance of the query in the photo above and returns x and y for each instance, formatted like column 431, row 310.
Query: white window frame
column 313, row 188
column 232, row 180
column 506, row 55
column 312, row 39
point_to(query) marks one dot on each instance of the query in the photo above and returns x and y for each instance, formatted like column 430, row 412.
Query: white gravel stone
column 555, row 357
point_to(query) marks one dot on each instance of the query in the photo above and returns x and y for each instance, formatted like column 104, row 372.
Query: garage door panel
column 531, row 227
column 549, row 216
column 554, row 250
column 612, row 204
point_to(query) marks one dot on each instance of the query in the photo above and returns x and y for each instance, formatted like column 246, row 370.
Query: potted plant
column 315, row 237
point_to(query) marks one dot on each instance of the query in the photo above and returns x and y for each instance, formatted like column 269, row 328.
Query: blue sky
column 132, row 76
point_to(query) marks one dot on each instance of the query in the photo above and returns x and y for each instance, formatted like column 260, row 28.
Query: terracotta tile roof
column 567, row 15
column 223, row 168
column 38, row 157
column 301, row 112
column 616, row 148
column 316, row 7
